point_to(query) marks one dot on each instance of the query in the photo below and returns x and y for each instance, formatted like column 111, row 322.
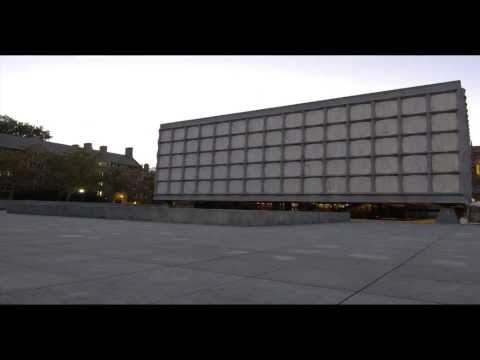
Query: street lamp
column 81, row 190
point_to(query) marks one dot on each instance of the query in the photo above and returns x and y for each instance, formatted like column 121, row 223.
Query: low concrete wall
column 174, row 215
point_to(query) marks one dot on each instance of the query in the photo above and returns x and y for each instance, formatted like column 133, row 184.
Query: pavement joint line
column 78, row 281
column 397, row 267
column 257, row 277
column 402, row 298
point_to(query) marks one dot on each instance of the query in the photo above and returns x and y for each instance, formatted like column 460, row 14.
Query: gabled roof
column 20, row 143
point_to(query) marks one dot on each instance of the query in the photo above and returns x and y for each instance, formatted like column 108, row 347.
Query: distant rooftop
column 21, row 143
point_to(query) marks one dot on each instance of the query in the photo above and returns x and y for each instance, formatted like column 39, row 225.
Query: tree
column 68, row 173
column 12, row 127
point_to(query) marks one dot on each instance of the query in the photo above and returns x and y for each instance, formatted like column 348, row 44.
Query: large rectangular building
column 402, row 146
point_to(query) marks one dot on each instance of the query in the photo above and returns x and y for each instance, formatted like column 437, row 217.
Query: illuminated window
column 477, row 169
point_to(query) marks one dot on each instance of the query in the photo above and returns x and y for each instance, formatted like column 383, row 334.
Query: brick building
column 476, row 172
column 124, row 162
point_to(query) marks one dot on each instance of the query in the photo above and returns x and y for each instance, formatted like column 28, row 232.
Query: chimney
column 87, row 146
column 103, row 148
column 129, row 152
column 146, row 167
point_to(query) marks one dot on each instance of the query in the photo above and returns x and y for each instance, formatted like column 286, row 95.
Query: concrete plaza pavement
column 60, row 260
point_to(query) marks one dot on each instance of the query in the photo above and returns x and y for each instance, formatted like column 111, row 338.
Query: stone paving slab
column 61, row 260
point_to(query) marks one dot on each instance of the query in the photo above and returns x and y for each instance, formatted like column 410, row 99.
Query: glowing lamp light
column 81, row 191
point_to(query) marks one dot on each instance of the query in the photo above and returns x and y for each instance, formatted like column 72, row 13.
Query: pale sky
column 120, row 101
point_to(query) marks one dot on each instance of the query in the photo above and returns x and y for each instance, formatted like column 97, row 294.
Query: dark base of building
column 357, row 211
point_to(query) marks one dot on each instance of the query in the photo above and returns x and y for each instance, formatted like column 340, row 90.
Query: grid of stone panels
column 403, row 145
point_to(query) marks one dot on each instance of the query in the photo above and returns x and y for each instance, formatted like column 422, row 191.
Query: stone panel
column 236, row 171
column 177, row 147
column 360, row 112
column 204, row 172
column 193, row 132
column 162, row 174
column 293, row 152
column 386, row 184
column 274, row 122
column 441, row 102
column 177, row 160
column 206, row 144
column 221, row 157
column 360, row 148
column 237, row 156
column 444, row 142
column 254, row 170
column 176, row 174
column 255, row 139
column 206, row 130
column 220, row 172
column 273, row 154
column 335, row 115
column 293, row 136
column 166, row 135
column 162, row 187
column 314, row 151
column 192, row 145
column 336, row 167
column 386, row 146
column 314, row 134
column 386, row 165
column 206, row 158
column 336, row 132
column 254, row 155
column 163, row 161
column 190, row 173
column 222, row 129
column 414, row 144
column 337, row 149
column 273, row 138
column 238, row 141
column 415, row 184
column 175, row 187
column 235, row 186
column 221, row 143
column 165, row 148
column 386, row 127
column 361, row 166
column 239, row 126
column 386, row 108
column 446, row 183
column 256, row 124
column 414, row 164
column 445, row 162
column 292, row 169
column 313, row 186
column 293, row 120
column 360, row 184
column 444, row 122
column 204, row 187
column 189, row 187
column 291, row 186
column 253, row 186
column 179, row 134
column 414, row 105
column 272, row 186
column 360, row 129
column 219, row 187
column 336, row 185
column 414, row 124
column 190, row 159
column 315, row 117
column 272, row 170
column 313, row 168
